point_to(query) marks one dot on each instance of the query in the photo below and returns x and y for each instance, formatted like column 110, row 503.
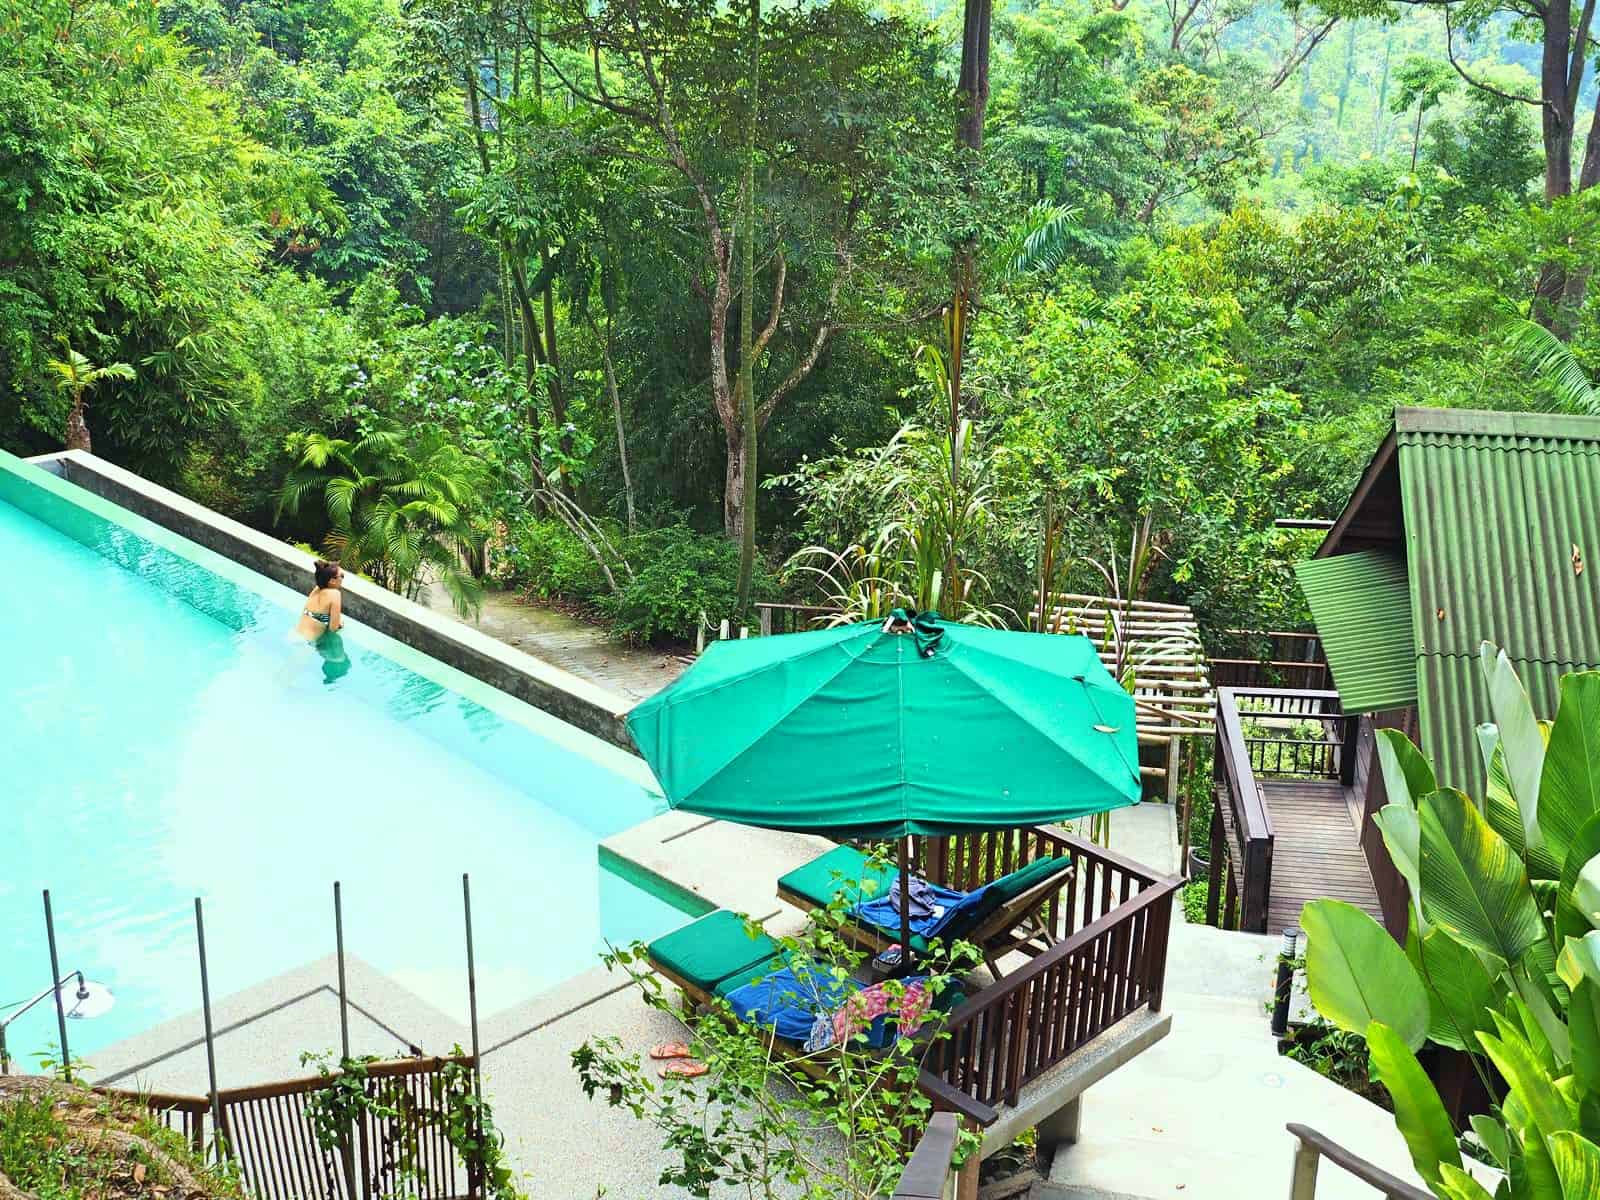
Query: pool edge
column 542, row 685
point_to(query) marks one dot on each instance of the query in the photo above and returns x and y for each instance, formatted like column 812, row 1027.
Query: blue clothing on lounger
column 787, row 1002
column 883, row 913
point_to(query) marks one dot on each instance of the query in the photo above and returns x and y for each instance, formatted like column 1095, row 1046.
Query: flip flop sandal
column 669, row 1050
column 683, row 1068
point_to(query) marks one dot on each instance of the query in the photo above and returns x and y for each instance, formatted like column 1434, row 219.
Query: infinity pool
column 162, row 736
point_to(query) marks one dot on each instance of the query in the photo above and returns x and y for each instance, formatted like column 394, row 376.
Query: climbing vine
column 455, row 1108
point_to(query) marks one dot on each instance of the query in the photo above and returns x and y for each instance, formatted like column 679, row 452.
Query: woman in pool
column 323, row 610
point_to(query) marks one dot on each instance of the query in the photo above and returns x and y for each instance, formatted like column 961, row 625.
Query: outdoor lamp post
column 88, row 999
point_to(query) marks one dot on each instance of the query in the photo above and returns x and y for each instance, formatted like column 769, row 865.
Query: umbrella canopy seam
column 848, row 662
column 667, row 697
column 1066, row 748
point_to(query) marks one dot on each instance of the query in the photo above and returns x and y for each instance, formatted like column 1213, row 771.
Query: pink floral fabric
column 867, row 1005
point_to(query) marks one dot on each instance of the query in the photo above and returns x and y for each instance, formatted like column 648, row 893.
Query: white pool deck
column 1198, row 1116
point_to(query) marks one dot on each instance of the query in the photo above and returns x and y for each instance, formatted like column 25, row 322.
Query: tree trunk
column 733, row 489
column 973, row 86
column 1349, row 72
column 1380, row 113
column 972, row 93
column 77, row 427
column 616, row 410
column 747, row 320
column 1555, row 127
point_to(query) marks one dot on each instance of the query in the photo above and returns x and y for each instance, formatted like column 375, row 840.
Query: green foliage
column 683, row 578
column 454, row 1107
column 761, row 1122
column 1507, row 963
column 51, row 1148
column 543, row 558
column 1359, row 975
column 400, row 508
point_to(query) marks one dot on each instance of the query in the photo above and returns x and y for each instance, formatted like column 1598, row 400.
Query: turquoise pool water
column 163, row 737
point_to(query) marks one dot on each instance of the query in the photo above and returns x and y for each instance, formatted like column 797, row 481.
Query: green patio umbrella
column 889, row 728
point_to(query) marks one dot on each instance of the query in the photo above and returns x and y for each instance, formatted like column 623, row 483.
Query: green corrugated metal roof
column 1502, row 524
column 1362, row 607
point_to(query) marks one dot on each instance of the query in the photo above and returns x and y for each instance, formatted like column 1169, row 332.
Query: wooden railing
column 1311, row 1146
column 790, row 618
column 1255, row 659
column 928, row 1175
column 1258, row 739
column 1110, row 960
column 267, row 1131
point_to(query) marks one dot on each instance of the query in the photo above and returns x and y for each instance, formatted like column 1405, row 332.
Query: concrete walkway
column 1201, row 1115
column 564, row 641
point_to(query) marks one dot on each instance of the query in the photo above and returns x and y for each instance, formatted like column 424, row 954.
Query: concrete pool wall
column 563, row 695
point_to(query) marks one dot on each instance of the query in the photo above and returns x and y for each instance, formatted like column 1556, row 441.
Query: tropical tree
column 1502, row 959
column 76, row 377
column 398, row 512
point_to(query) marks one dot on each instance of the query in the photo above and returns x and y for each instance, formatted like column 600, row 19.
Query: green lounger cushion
column 709, row 950
column 1006, row 889
column 842, row 867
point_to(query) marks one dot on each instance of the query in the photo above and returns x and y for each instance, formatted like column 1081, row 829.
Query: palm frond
column 1551, row 361
column 1041, row 241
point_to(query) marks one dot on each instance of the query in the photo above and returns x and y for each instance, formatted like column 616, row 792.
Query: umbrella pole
column 905, row 902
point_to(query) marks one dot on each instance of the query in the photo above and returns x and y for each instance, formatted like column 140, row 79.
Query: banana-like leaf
column 1402, row 837
column 1460, row 989
column 1586, row 891
column 1570, row 921
column 1501, row 812
column 1521, row 741
column 1569, row 787
column 1473, row 884
column 1493, row 1137
column 1536, row 1026
column 1533, row 1175
column 1580, row 959
column 1577, row 1163
column 1418, row 1110
column 1407, row 775
column 1458, row 1185
column 1583, row 1027
column 1357, row 974
column 1533, row 1087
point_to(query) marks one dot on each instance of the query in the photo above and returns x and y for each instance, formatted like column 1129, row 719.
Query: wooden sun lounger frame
column 1012, row 926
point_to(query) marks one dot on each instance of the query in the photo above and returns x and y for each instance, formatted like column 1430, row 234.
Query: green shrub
column 1194, row 901
column 544, row 558
column 679, row 574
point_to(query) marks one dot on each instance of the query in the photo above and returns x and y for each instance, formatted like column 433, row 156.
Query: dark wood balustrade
column 1108, row 960
column 266, row 1130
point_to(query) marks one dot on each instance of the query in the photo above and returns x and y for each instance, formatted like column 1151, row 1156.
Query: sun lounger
column 997, row 918
column 715, row 956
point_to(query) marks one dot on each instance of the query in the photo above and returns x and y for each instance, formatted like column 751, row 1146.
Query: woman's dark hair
column 326, row 572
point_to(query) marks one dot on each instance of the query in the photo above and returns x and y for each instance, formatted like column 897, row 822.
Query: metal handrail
column 1311, row 1147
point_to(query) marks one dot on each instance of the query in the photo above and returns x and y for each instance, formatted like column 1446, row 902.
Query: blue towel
column 788, row 1002
column 883, row 913
column 792, row 1003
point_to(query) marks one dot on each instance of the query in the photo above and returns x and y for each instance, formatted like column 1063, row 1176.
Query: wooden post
column 1173, row 746
column 722, row 630
column 766, row 622
column 1303, row 1183
column 1219, row 861
column 967, row 1176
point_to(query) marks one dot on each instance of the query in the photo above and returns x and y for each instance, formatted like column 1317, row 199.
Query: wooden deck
column 1315, row 851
